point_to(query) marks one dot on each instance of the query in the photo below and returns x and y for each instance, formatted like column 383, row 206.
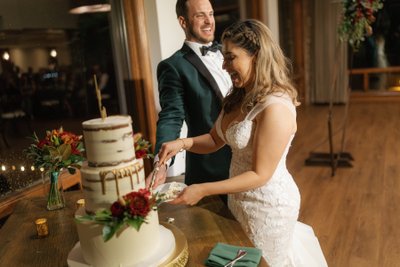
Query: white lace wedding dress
column 269, row 214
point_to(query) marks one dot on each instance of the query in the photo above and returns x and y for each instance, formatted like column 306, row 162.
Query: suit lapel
column 199, row 65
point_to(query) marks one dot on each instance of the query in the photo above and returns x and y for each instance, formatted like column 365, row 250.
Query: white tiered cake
column 112, row 171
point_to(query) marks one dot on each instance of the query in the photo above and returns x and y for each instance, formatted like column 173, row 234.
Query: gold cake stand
column 181, row 254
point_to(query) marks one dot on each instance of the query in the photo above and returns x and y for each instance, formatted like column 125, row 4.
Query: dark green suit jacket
column 188, row 92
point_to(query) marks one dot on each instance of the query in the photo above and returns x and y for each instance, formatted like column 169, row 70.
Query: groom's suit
column 187, row 91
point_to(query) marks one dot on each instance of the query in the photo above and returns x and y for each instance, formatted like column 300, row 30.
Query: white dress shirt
column 213, row 62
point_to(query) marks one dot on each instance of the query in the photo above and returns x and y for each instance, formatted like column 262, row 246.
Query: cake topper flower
column 57, row 150
column 142, row 147
column 358, row 15
column 130, row 210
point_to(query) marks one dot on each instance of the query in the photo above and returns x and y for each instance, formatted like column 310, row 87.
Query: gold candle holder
column 80, row 203
column 41, row 227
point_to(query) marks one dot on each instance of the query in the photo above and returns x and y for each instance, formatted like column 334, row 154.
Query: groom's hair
column 181, row 8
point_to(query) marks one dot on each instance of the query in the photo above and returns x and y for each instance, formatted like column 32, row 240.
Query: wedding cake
column 112, row 171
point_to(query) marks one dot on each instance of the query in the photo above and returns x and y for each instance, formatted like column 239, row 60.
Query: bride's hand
column 160, row 178
column 191, row 195
column 169, row 149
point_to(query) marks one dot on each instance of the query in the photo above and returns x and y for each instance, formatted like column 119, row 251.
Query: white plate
column 169, row 191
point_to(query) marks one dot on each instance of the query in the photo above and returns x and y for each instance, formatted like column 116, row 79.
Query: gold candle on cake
column 41, row 227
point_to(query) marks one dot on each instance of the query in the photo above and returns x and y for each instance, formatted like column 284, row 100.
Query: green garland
column 358, row 15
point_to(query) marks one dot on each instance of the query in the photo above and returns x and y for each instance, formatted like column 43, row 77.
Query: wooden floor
column 356, row 213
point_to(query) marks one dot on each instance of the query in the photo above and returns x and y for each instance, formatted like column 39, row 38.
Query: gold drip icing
column 137, row 175
column 117, row 174
column 107, row 164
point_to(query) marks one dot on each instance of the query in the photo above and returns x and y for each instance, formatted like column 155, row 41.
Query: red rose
column 42, row 143
column 139, row 204
column 144, row 192
column 117, row 210
column 140, row 154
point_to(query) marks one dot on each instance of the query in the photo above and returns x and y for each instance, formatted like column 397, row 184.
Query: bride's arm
column 202, row 144
column 274, row 127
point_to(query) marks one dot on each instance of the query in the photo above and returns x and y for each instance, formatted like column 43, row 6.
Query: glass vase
column 55, row 199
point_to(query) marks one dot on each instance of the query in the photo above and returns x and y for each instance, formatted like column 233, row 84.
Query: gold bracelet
column 184, row 145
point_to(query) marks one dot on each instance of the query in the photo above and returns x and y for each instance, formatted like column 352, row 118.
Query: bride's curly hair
column 271, row 72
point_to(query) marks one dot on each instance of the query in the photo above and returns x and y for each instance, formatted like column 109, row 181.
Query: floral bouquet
column 357, row 19
column 142, row 147
column 131, row 210
column 58, row 150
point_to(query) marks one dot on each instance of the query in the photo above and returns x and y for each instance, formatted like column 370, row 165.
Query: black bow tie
column 212, row 48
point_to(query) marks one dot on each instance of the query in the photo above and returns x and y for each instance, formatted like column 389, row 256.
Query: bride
column 258, row 122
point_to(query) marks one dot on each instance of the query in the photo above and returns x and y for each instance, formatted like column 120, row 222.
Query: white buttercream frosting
column 103, row 185
column 109, row 142
column 127, row 248
column 112, row 172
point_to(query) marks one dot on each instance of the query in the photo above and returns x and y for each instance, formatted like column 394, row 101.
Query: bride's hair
column 271, row 72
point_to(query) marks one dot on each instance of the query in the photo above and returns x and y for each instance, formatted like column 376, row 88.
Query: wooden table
column 203, row 225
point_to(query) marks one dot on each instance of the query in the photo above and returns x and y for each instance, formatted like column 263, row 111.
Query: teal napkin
column 222, row 253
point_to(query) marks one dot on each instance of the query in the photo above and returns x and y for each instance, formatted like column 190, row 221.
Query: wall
column 271, row 14
column 165, row 37
column 37, row 58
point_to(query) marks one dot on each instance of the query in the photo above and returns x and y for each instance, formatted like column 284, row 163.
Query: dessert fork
column 240, row 254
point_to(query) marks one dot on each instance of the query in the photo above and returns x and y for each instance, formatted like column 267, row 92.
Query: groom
column 191, row 87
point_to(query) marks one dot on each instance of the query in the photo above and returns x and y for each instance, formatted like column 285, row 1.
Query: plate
column 169, row 191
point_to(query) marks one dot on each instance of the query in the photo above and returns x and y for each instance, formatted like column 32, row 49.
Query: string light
column 21, row 168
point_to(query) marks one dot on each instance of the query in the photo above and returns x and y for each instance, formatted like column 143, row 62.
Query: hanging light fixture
column 89, row 6
column 6, row 55
column 53, row 53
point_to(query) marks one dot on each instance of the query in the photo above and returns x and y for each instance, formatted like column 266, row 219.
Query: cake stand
column 181, row 254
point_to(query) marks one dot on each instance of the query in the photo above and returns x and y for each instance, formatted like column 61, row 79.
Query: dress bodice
column 239, row 135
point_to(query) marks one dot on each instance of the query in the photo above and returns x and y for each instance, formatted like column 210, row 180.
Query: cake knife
column 153, row 177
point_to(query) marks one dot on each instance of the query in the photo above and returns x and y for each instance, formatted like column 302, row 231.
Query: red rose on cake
column 139, row 202
column 131, row 209
column 117, row 210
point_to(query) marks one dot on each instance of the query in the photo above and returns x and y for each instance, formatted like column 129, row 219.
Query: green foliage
column 358, row 15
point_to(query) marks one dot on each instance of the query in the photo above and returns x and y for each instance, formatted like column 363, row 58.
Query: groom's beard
column 200, row 39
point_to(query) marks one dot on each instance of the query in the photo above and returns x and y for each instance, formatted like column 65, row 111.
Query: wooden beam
column 141, row 72
column 255, row 9
column 141, row 67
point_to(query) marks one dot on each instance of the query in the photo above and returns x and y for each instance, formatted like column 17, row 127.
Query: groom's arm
column 171, row 97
